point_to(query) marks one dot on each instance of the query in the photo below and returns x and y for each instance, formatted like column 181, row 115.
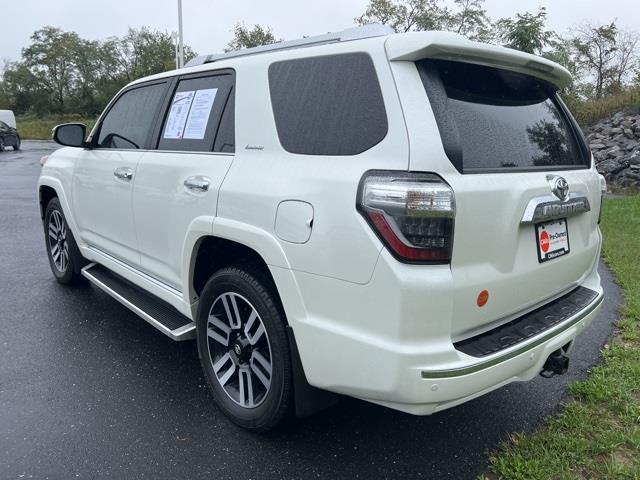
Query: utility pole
column 180, row 44
column 174, row 36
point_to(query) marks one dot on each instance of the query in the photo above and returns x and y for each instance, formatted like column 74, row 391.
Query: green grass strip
column 597, row 434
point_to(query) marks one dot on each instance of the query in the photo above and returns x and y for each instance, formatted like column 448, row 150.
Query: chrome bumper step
column 156, row 312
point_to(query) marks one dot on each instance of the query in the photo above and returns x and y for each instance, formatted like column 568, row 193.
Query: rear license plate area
column 552, row 239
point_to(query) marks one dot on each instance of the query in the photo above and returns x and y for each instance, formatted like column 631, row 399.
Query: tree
column 61, row 72
column 49, row 59
column 526, row 32
column 470, row 20
column 21, row 88
column 140, row 53
column 404, row 15
column 606, row 54
column 243, row 37
column 468, row 17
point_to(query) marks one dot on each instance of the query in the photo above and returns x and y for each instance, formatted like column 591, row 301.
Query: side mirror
column 70, row 134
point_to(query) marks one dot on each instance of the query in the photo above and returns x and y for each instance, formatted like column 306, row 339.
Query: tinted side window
column 194, row 116
column 329, row 105
column 129, row 121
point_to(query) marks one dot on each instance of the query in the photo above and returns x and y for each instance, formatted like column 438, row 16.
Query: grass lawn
column 597, row 435
column 39, row 128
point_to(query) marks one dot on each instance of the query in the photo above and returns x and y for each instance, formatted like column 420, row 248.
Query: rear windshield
column 496, row 120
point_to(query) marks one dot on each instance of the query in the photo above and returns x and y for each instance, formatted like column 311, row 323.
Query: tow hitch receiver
column 556, row 364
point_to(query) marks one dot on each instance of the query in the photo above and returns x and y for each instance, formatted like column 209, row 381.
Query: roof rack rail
column 355, row 33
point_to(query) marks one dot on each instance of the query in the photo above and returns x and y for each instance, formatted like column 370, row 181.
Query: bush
column 588, row 112
column 39, row 128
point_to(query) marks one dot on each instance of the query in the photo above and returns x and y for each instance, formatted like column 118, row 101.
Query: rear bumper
column 393, row 346
column 453, row 386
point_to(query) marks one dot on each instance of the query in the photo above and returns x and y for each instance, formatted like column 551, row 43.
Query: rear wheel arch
column 212, row 254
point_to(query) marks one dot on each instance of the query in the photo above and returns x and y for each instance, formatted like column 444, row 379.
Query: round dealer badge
column 544, row 241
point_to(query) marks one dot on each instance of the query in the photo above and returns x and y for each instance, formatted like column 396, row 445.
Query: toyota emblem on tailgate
column 559, row 186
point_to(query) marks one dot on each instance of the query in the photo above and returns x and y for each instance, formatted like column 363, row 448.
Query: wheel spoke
column 55, row 252
column 261, row 367
column 228, row 372
column 253, row 337
column 221, row 326
column 53, row 231
column 246, row 388
column 56, row 218
column 231, row 309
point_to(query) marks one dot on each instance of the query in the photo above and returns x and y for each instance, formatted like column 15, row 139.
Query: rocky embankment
column 615, row 144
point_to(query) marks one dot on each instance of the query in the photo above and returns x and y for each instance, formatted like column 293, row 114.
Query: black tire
column 273, row 406
column 1, row 144
column 67, row 271
column 18, row 142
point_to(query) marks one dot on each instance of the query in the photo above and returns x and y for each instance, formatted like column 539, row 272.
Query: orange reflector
column 483, row 298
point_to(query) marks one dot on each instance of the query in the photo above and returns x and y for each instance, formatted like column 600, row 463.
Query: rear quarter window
column 329, row 105
column 493, row 119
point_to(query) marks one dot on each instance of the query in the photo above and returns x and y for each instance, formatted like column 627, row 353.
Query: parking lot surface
column 88, row 390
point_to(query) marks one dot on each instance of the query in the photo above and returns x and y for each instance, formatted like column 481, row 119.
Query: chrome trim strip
column 523, row 348
column 550, row 207
column 148, row 278
column 185, row 332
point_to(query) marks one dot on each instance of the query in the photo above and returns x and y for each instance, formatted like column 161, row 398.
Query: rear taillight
column 603, row 191
column 411, row 212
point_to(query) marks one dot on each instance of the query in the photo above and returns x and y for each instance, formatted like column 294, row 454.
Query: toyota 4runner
column 407, row 219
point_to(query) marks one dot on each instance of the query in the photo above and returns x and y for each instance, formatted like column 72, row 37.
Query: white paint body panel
column 164, row 208
column 366, row 324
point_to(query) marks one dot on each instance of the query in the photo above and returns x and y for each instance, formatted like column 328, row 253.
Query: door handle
column 197, row 184
column 123, row 173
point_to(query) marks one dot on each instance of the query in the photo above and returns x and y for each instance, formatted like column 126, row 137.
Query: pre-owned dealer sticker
column 552, row 239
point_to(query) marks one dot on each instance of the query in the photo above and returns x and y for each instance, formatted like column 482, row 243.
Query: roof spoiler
column 451, row 46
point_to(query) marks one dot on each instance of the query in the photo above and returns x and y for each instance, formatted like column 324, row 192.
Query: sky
column 208, row 24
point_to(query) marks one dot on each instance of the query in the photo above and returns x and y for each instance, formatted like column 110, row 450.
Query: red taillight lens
column 413, row 213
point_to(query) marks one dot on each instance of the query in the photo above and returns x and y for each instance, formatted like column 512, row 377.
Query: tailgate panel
column 494, row 251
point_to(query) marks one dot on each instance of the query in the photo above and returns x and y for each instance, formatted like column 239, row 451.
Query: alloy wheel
column 58, row 244
column 239, row 350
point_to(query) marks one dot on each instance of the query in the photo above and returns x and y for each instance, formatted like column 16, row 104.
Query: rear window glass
column 330, row 105
column 496, row 120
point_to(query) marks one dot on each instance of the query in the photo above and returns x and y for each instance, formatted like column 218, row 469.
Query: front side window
column 330, row 105
column 199, row 117
column 128, row 124
column 493, row 119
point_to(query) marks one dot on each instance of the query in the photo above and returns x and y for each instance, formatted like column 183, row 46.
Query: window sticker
column 178, row 114
column 199, row 114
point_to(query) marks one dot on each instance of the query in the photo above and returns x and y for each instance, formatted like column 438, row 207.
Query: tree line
column 603, row 59
column 60, row 72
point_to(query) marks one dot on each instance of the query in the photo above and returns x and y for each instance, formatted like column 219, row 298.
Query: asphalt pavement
column 89, row 390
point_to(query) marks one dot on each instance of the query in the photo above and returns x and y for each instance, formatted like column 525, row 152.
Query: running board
column 155, row 311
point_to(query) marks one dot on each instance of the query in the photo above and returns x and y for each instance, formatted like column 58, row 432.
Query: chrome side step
column 155, row 311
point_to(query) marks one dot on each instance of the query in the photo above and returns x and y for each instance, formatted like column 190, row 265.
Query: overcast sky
column 208, row 23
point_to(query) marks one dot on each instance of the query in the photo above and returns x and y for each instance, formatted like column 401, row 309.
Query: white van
column 409, row 219
column 8, row 117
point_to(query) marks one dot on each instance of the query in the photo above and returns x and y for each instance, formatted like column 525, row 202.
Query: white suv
column 407, row 219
